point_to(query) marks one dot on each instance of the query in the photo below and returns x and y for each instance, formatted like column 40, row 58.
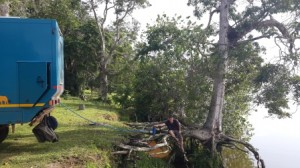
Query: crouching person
column 174, row 129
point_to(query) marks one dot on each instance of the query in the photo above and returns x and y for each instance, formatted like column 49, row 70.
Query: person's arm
column 159, row 125
column 179, row 126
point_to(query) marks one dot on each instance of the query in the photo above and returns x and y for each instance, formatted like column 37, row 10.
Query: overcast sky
column 168, row 7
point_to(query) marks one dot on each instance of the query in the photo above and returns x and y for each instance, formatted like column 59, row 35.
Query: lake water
column 278, row 140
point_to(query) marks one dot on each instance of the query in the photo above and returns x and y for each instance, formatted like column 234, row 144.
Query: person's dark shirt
column 173, row 126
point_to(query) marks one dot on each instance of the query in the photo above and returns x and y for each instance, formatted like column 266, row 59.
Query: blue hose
column 153, row 131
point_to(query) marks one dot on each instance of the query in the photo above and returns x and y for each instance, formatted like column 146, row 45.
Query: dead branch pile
column 139, row 143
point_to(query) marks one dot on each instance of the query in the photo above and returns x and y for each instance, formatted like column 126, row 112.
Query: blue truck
column 31, row 71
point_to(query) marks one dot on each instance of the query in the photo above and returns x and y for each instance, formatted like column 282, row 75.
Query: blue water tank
column 31, row 68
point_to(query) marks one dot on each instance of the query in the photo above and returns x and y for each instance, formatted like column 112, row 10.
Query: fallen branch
column 145, row 149
column 206, row 137
column 120, row 152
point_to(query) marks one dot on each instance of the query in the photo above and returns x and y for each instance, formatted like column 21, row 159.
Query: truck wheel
column 4, row 129
column 52, row 122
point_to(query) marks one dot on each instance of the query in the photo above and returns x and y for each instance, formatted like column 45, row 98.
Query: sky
column 278, row 140
column 168, row 7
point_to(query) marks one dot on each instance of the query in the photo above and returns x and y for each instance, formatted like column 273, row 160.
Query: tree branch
column 120, row 152
column 211, row 15
column 100, row 28
column 274, row 23
column 255, row 38
column 145, row 149
column 118, row 21
column 265, row 24
column 105, row 11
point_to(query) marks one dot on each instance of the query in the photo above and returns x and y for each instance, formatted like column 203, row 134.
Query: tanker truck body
column 31, row 70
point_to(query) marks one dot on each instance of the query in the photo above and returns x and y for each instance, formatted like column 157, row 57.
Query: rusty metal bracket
column 40, row 116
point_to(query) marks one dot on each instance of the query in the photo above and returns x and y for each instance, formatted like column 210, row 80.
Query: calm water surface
column 278, row 140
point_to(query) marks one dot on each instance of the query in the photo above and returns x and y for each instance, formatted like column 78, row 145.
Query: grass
column 80, row 144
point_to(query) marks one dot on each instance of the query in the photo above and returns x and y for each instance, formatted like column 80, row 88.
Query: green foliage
column 80, row 58
column 200, row 156
column 122, row 33
column 121, row 69
column 157, row 90
column 243, row 67
column 202, row 6
column 277, row 82
column 203, row 158
column 149, row 162
column 176, row 69
column 274, row 81
column 235, row 158
column 295, row 81
column 167, row 78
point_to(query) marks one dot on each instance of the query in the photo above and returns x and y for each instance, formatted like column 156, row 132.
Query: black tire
column 52, row 122
column 4, row 129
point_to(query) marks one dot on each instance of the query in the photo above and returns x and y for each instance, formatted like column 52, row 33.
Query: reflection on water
column 237, row 159
column 277, row 141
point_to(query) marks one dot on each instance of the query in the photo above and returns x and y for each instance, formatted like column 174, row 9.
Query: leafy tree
column 255, row 16
column 166, row 78
column 177, row 52
column 235, row 66
column 121, row 10
column 80, row 58
column 259, row 16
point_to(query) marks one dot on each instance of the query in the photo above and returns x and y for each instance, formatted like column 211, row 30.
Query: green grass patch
column 149, row 162
column 80, row 144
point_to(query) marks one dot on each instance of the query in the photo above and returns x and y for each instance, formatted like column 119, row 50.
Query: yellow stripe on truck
column 21, row 105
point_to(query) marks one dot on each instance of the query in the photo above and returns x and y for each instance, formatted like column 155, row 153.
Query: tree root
column 228, row 140
column 207, row 139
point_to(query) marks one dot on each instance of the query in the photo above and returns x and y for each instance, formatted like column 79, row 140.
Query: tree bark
column 102, row 54
column 4, row 9
column 214, row 119
column 103, row 81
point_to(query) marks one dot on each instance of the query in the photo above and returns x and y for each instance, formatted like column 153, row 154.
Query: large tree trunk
column 102, row 54
column 103, row 66
column 214, row 118
column 103, row 81
column 4, row 9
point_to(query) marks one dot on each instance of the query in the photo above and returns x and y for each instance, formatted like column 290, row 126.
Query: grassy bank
column 80, row 145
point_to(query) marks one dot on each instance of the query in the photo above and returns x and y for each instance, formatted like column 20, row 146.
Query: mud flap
column 4, row 129
column 43, row 132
